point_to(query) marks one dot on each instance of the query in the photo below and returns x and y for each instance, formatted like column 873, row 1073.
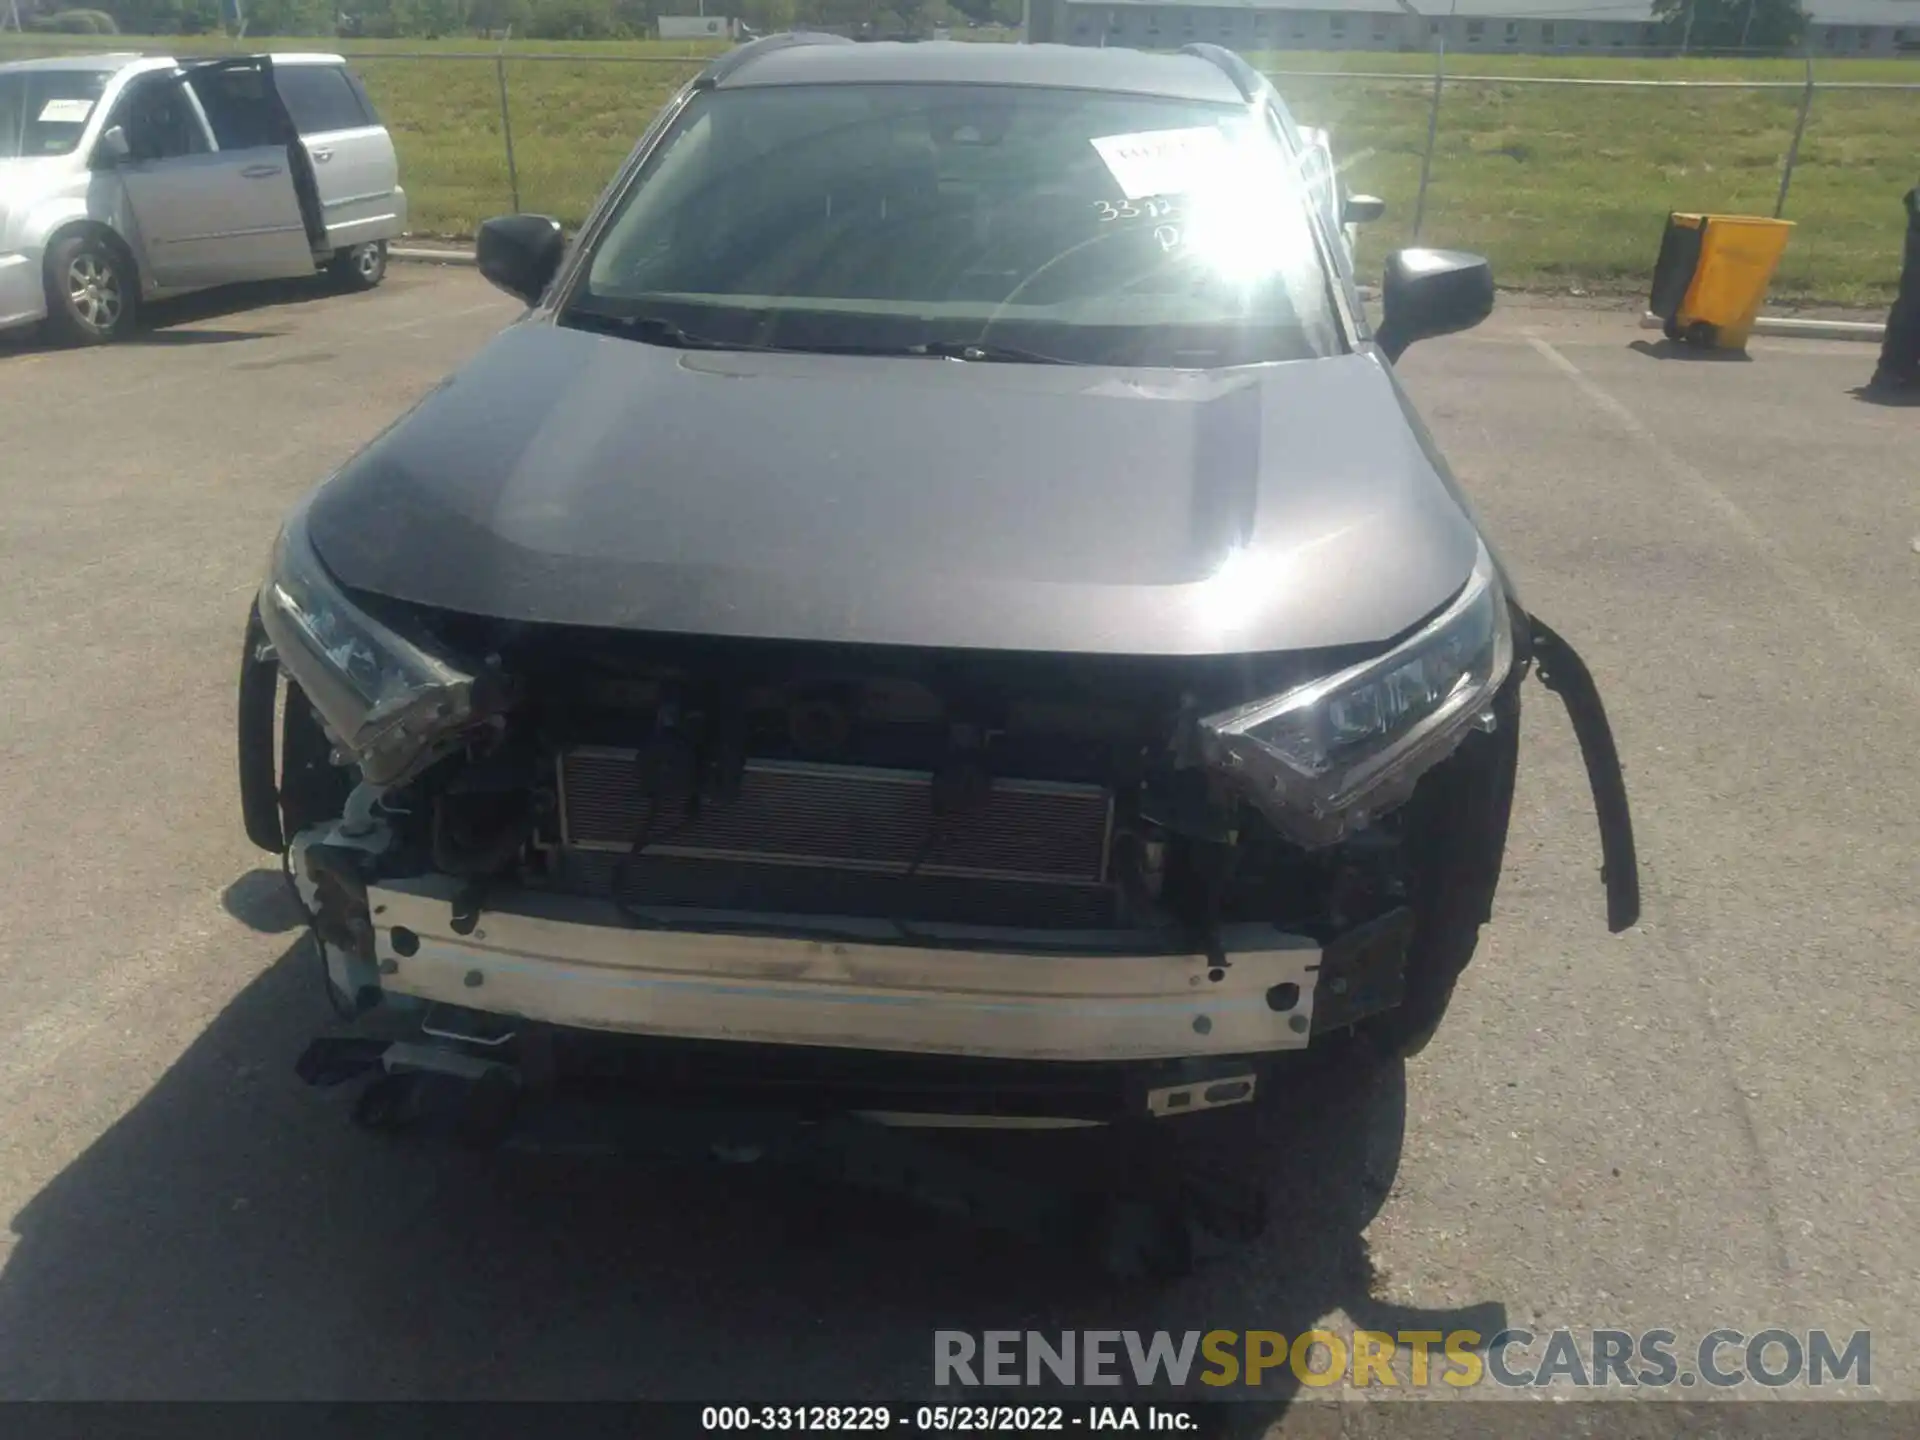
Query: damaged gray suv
column 939, row 608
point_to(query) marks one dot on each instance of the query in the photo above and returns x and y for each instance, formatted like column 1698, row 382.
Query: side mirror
column 113, row 147
column 1431, row 292
column 520, row 253
column 1361, row 209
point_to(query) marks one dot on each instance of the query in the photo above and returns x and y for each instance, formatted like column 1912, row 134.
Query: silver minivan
column 127, row 177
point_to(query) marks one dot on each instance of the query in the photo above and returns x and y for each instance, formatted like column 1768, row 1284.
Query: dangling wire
column 623, row 867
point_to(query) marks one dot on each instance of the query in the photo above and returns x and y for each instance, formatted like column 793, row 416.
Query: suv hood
column 570, row 478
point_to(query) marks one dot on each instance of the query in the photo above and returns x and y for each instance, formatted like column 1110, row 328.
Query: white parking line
column 1865, row 641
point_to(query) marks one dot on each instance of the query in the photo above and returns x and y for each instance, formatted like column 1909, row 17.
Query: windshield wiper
column 937, row 350
column 658, row 330
column 989, row 354
column 652, row 330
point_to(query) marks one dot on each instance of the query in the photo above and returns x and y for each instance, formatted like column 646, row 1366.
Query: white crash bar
column 535, row 957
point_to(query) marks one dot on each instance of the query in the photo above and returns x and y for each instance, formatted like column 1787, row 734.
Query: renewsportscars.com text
column 1413, row 1359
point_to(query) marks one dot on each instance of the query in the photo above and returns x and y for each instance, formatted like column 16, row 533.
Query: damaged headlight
column 1321, row 758
column 384, row 697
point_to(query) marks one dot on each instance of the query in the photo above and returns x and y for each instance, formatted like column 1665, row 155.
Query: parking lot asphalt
column 1710, row 1121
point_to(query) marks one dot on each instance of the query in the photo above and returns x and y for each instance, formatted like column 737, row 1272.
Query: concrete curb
column 1867, row 330
column 430, row 256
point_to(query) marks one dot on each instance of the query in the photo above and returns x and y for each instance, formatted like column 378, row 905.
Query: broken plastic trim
column 387, row 699
column 1563, row 672
column 259, row 792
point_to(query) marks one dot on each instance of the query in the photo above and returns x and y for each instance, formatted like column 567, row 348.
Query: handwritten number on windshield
column 1155, row 209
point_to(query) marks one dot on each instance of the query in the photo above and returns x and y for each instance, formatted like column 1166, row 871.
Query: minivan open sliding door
column 264, row 214
column 354, row 166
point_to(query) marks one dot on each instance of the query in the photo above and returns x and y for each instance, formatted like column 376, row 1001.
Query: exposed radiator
column 843, row 817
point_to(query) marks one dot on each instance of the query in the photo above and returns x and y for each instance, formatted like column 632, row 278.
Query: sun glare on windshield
column 1234, row 228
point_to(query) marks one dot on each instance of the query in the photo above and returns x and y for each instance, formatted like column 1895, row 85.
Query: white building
column 696, row 27
column 1863, row 27
column 1835, row 27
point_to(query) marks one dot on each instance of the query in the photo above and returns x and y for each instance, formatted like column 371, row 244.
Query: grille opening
column 842, row 817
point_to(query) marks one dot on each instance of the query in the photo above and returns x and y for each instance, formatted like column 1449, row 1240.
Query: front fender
column 48, row 219
column 101, row 204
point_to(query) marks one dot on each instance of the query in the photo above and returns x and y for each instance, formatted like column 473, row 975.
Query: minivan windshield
column 980, row 222
column 44, row 112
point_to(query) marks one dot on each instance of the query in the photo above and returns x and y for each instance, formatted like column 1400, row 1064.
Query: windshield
column 44, row 112
column 986, row 222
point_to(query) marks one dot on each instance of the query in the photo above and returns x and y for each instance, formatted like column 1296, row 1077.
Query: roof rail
column 746, row 54
column 1249, row 81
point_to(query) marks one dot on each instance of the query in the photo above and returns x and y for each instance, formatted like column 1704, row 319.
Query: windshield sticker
column 1162, row 162
column 65, row 112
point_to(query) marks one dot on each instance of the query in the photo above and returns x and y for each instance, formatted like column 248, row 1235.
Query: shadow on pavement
column 262, row 901
column 233, row 1236
column 1675, row 350
column 1895, row 399
column 158, row 319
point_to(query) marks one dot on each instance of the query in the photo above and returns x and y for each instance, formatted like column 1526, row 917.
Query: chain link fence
column 1563, row 180
column 1567, row 180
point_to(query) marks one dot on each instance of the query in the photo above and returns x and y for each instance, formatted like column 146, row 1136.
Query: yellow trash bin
column 1712, row 276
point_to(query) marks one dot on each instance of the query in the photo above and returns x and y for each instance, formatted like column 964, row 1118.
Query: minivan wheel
column 359, row 267
column 92, row 291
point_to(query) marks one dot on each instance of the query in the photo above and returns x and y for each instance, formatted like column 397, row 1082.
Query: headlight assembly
column 1318, row 760
column 384, row 697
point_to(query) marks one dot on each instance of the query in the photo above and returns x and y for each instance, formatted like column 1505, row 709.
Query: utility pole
column 1433, row 113
column 12, row 15
column 1747, row 28
column 1686, row 35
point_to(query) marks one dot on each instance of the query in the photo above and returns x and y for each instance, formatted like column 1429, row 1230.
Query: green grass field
column 1563, row 187
column 1568, row 187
